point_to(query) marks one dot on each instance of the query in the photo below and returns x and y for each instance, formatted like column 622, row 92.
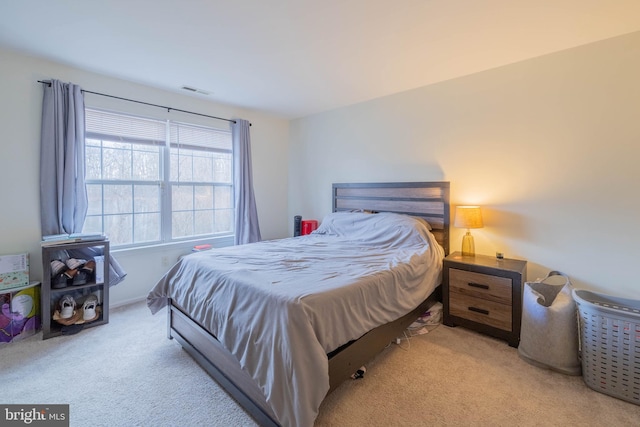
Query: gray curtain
column 247, row 228
column 63, row 192
column 63, row 195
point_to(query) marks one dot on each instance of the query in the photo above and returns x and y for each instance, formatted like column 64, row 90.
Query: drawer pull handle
column 478, row 285
column 478, row 310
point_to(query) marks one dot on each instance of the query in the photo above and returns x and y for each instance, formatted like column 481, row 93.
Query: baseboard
column 127, row 302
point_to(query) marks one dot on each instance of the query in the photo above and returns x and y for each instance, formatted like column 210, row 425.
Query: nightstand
column 484, row 293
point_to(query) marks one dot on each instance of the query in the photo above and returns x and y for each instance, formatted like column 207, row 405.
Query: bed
column 280, row 324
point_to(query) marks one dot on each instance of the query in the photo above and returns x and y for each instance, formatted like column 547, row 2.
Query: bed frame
column 429, row 200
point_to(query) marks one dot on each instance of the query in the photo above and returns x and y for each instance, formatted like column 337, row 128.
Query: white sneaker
column 67, row 307
column 89, row 313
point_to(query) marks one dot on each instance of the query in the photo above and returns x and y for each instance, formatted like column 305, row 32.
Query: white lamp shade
column 468, row 217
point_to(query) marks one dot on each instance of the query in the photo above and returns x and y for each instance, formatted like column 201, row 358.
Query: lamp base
column 468, row 247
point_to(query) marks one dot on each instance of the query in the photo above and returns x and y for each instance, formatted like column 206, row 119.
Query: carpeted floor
column 127, row 373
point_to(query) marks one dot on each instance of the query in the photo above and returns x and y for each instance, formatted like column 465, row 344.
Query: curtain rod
column 148, row 103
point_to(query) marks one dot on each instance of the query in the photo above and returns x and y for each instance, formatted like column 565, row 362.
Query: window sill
column 186, row 245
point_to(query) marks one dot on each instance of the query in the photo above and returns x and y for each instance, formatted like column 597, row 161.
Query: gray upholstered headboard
column 428, row 200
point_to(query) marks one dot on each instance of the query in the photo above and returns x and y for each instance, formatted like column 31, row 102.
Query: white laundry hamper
column 610, row 332
column 549, row 332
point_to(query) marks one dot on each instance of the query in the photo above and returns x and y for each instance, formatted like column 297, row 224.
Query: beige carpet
column 456, row 377
column 127, row 373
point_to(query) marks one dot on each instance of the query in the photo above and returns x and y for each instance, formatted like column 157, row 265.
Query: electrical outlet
column 165, row 260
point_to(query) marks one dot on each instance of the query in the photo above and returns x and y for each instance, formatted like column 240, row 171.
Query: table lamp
column 468, row 217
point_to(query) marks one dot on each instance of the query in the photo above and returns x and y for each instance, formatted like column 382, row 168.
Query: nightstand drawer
column 481, row 310
column 492, row 288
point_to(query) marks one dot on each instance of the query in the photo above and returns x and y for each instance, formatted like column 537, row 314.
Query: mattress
column 280, row 306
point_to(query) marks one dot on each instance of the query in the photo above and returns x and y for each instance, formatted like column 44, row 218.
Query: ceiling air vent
column 195, row 90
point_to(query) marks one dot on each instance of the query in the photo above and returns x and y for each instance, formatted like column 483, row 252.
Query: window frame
column 164, row 182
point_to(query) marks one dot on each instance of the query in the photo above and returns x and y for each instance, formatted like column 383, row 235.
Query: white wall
column 549, row 147
column 20, row 115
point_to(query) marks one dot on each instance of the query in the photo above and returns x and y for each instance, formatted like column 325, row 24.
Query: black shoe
column 59, row 281
column 81, row 278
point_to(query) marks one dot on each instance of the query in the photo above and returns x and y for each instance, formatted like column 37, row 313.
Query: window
column 151, row 181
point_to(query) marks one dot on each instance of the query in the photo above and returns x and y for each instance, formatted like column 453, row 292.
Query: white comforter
column 280, row 306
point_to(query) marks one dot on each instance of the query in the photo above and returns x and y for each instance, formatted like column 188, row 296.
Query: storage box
column 14, row 271
column 20, row 313
column 308, row 226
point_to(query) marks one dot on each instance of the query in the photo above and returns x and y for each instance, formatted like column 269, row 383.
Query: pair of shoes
column 68, row 315
column 71, row 272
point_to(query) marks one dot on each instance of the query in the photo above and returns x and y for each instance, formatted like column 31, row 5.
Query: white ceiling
column 293, row 58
